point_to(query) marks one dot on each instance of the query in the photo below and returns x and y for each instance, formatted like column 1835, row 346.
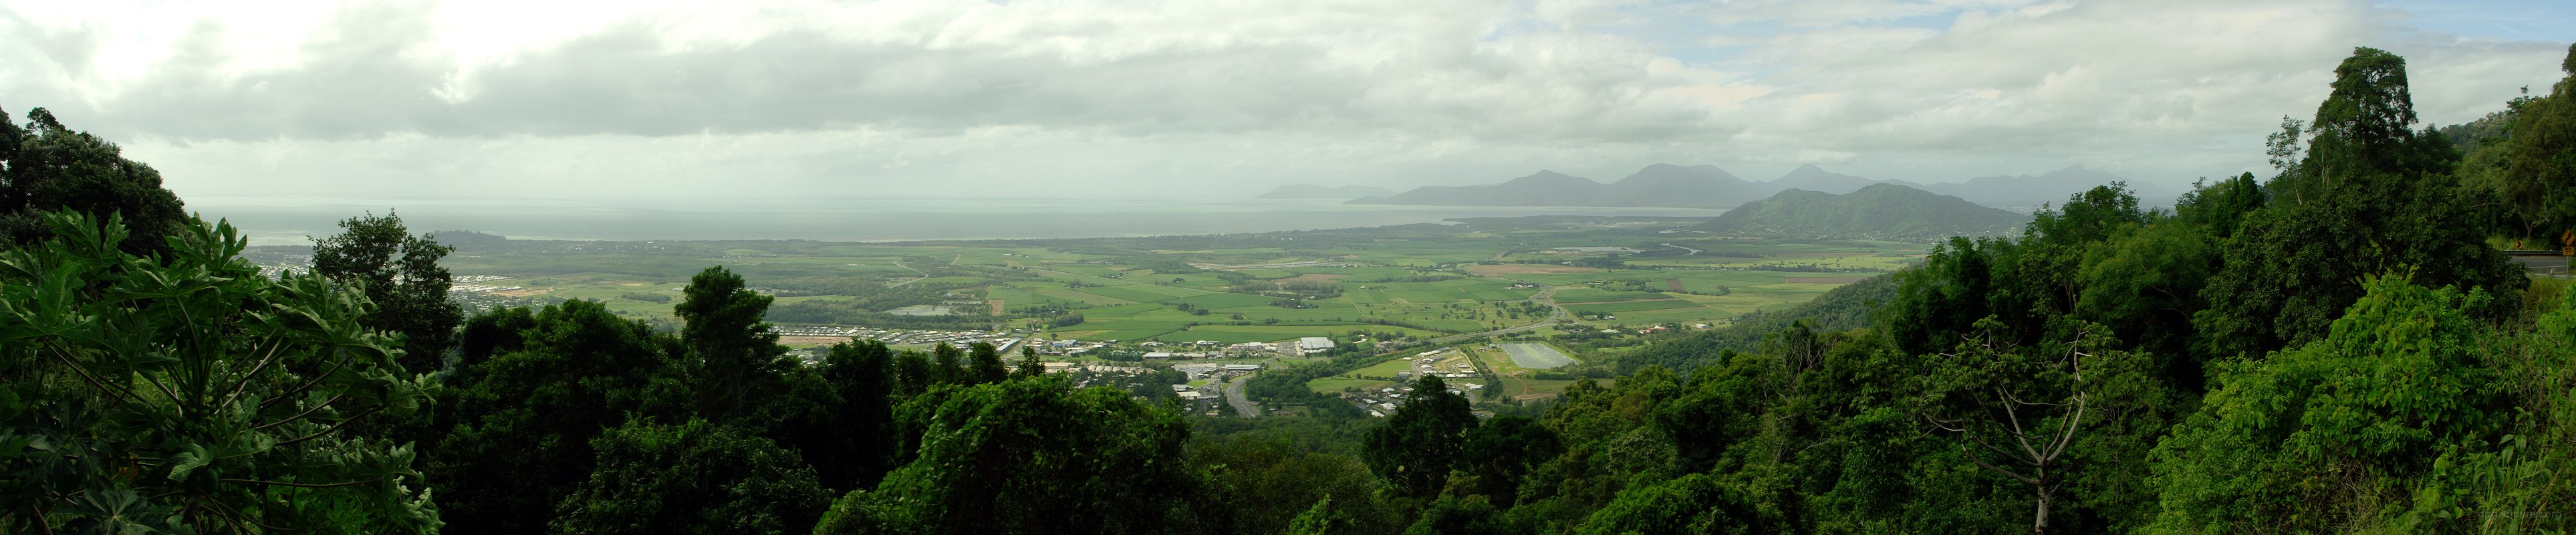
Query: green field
column 1408, row 280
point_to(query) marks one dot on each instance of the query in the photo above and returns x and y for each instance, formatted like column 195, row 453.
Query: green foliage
column 853, row 445
column 1418, row 445
column 2368, row 196
column 517, row 421
column 46, row 167
column 987, row 364
column 1257, row 481
column 693, row 478
column 400, row 273
column 2288, row 441
column 186, row 393
column 2538, row 160
column 1452, row 515
column 733, row 361
column 1690, row 505
column 1023, row 457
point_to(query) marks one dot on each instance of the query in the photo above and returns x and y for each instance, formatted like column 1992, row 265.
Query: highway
column 1234, row 396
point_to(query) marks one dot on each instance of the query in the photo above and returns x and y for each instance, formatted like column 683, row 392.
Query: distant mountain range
column 1880, row 211
column 1706, row 186
column 1311, row 191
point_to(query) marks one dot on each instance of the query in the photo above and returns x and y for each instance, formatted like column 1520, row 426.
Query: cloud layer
column 1205, row 97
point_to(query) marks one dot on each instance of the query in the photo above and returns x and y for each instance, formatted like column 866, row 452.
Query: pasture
column 1408, row 281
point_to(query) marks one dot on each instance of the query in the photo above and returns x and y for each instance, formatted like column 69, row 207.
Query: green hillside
column 1881, row 211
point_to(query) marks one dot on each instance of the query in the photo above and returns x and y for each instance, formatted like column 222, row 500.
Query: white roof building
column 1314, row 343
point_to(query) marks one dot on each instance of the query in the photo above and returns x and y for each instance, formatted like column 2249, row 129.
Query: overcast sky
column 647, row 100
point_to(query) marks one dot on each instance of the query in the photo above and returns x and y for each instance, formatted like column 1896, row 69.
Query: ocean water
column 290, row 221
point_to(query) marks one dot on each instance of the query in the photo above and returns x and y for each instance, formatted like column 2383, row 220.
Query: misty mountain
column 1311, row 191
column 1544, row 188
column 1811, row 178
column 1706, row 186
column 1883, row 211
column 1693, row 186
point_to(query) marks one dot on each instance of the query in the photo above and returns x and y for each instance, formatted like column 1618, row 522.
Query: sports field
column 1536, row 356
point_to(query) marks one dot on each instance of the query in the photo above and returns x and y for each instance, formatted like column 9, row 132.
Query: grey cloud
column 374, row 75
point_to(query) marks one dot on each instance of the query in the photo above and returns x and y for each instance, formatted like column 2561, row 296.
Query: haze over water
column 276, row 221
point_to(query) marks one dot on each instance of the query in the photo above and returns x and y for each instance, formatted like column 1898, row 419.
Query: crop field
column 1416, row 280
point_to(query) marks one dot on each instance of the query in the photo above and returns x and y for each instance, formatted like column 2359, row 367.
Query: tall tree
column 1419, row 444
column 854, row 444
column 188, row 394
column 2368, row 196
column 400, row 272
column 734, row 362
column 45, row 166
column 2540, row 157
column 946, row 364
column 522, row 407
column 988, row 366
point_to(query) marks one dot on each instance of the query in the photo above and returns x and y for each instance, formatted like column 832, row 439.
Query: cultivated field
column 1409, row 281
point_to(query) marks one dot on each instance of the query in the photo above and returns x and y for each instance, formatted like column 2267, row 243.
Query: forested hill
column 1879, row 211
column 1311, row 191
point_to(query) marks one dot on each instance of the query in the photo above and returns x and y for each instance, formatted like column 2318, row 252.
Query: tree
column 2368, row 196
column 184, row 392
column 1418, row 445
column 525, row 401
column 1499, row 453
column 2022, row 413
column 945, row 367
column 913, row 373
column 988, row 366
column 1029, row 366
column 733, row 360
column 1452, row 515
column 1033, row 456
column 1691, row 504
column 694, row 478
column 853, row 445
column 45, row 167
column 2289, row 442
column 2540, row 157
column 400, row 273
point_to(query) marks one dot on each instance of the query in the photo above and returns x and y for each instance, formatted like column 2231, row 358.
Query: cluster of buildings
column 1384, row 401
column 1006, row 341
column 1427, row 363
column 1208, row 349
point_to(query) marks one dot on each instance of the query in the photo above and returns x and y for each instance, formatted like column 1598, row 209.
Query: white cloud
column 1213, row 97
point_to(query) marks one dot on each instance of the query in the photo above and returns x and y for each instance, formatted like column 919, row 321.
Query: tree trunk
column 2039, row 520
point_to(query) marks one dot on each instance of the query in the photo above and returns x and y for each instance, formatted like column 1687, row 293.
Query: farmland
column 1404, row 281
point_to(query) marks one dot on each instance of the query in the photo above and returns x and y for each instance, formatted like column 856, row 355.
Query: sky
column 671, row 102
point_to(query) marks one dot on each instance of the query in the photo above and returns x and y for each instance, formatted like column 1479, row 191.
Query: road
column 924, row 275
column 1234, row 396
column 1692, row 251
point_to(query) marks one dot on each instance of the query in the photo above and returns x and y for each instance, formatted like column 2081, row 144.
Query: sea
column 295, row 220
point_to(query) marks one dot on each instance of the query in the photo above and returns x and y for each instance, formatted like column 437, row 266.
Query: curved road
column 1234, row 396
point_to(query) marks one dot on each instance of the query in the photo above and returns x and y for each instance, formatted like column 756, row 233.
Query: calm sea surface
column 286, row 221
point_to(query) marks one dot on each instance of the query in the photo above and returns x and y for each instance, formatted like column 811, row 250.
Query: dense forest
column 2339, row 347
